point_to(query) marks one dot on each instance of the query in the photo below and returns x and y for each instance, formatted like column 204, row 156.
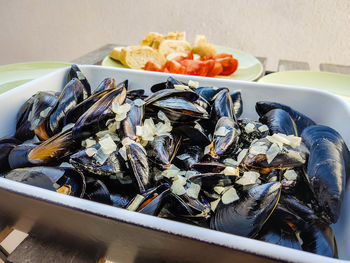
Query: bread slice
column 201, row 47
column 136, row 57
column 167, row 47
column 152, row 40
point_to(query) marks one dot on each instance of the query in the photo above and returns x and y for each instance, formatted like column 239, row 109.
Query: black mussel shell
column 279, row 121
column 97, row 191
column 246, row 216
column 191, row 135
column 169, row 84
column 75, row 72
column 187, row 95
column 134, row 118
column 136, row 94
column 6, row 146
column 65, row 180
column 163, row 149
column 154, row 200
column 208, row 93
column 73, row 93
column 18, row 157
column 222, row 107
column 107, row 83
column 237, row 103
column 301, row 121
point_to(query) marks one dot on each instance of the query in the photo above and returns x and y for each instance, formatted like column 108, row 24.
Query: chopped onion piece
column 90, row 151
column 229, row 196
column 193, row 84
column 177, row 188
column 100, row 156
column 219, row 189
column 249, row 128
column 241, row 155
column 179, row 179
column 193, row 190
column 120, row 110
column 272, row 152
column 263, row 128
column 274, row 140
column 229, row 171
column 258, row 149
column 122, row 152
column 107, row 144
column 214, row 204
column 222, row 131
column 230, row 162
column 181, row 87
column 294, row 141
column 135, row 203
column 248, row 178
column 139, row 102
column 290, row 175
column 89, row 142
column 190, row 173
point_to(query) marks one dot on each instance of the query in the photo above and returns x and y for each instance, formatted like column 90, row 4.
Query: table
column 16, row 246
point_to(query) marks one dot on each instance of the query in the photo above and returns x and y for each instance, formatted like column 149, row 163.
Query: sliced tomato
column 198, row 67
column 222, row 55
column 173, row 66
column 229, row 65
column 216, row 70
column 151, row 66
column 181, row 58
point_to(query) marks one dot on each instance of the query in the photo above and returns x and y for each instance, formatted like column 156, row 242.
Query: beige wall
column 306, row 30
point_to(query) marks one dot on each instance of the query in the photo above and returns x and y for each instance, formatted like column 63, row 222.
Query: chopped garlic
column 290, row 175
column 272, row 152
column 229, row 171
column 139, row 102
column 89, row 142
column 249, row 128
column 274, row 140
column 258, row 149
column 135, row 203
column 222, row 131
column 90, row 151
column 229, row 196
column 122, row 152
column 214, row 204
column 179, row 179
column 193, row 84
column 248, row 178
column 193, row 190
column 263, row 128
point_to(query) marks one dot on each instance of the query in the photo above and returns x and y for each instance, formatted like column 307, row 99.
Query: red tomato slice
column 173, row 66
column 216, row 70
column 198, row 67
column 229, row 65
column 151, row 66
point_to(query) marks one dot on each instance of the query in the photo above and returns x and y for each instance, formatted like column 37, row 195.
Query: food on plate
column 172, row 53
column 184, row 152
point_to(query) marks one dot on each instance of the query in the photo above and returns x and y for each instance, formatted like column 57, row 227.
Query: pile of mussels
column 183, row 153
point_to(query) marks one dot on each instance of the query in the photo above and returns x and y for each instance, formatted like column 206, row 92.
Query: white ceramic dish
column 126, row 236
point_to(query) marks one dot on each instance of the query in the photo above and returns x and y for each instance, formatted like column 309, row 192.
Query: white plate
column 137, row 233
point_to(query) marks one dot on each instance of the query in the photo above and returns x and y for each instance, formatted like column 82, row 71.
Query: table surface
column 16, row 246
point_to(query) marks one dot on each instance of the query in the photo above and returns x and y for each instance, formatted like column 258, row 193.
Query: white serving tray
column 126, row 236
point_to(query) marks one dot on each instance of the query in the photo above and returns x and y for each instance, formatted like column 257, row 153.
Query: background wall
column 316, row 31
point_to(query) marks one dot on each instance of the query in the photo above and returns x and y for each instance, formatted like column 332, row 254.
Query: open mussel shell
column 301, row 121
column 33, row 113
column 246, row 216
column 178, row 109
column 53, row 149
column 75, row 72
column 279, row 121
column 92, row 164
column 187, row 95
column 225, row 142
column 62, row 180
column 138, row 165
column 95, row 118
column 97, row 191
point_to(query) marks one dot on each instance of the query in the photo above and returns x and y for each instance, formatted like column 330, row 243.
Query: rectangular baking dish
column 125, row 236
